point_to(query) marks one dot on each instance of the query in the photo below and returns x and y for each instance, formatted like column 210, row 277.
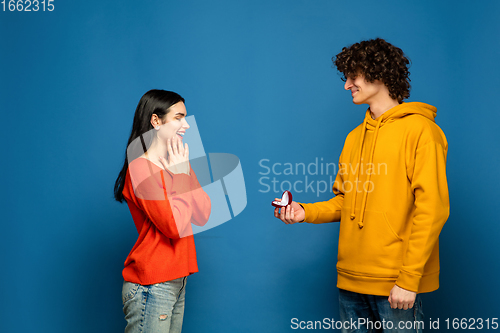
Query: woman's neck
column 154, row 152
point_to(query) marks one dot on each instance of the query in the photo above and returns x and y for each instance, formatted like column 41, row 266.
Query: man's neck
column 378, row 108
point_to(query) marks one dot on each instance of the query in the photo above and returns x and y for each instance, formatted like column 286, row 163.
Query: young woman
column 164, row 198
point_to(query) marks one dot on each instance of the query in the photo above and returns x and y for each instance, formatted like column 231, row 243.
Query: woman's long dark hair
column 153, row 102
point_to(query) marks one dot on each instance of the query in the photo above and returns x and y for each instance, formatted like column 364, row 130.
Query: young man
column 391, row 195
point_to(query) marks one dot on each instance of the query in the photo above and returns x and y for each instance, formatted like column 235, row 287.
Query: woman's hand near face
column 177, row 160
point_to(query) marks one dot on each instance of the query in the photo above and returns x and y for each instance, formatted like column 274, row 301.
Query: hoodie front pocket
column 375, row 249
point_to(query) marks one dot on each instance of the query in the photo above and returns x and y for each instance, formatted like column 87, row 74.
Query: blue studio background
column 258, row 77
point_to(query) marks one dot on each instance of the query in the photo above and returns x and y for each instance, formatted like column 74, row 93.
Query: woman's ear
column 155, row 121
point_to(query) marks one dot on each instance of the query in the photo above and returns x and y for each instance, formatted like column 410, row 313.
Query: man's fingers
column 393, row 302
column 282, row 215
column 289, row 214
column 285, row 214
column 277, row 213
column 390, row 300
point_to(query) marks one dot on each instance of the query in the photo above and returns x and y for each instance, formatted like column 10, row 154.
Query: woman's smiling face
column 174, row 123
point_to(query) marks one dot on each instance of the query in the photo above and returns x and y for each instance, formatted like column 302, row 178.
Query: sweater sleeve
column 327, row 211
column 202, row 205
column 432, row 207
column 170, row 201
column 189, row 195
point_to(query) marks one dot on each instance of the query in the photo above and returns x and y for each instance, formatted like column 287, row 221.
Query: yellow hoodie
column 390, row 222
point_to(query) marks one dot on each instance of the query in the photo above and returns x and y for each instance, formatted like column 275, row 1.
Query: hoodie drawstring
column 397, row 112
column 362, row 140
column 370, row 160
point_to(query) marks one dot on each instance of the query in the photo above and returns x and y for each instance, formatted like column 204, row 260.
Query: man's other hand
column 400, row 298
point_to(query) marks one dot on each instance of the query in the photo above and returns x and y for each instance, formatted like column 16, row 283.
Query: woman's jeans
column 154, row 308
column 369, row 313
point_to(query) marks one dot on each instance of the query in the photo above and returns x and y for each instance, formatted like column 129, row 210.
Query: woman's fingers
column 186, row 151
column 175, row 141
column 169, row 147
column 178, row 148
column 177, row 160
column 175, row 146
column 163, row 161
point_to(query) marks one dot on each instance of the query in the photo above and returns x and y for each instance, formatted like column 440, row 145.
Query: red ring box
column 286, row 199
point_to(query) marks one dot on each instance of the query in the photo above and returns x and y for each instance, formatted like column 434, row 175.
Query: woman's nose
column 185, row 123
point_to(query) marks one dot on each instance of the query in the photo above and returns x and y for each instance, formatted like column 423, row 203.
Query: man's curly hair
column 377, row 59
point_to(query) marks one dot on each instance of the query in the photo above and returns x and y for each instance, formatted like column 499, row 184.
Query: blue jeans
column 368, row 313
column 154, row 308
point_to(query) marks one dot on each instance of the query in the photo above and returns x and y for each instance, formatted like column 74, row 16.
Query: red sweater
column 163, row 206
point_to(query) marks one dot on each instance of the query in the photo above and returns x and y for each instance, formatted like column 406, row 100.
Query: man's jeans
column 154, row 308
column 369, row 313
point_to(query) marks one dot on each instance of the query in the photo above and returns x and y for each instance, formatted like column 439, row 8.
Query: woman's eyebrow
column 180, row 113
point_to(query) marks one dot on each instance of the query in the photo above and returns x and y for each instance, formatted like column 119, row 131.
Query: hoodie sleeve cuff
column 408, row 281
column 301, row 205
column 307, row 211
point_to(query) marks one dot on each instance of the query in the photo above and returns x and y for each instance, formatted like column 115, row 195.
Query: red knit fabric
column 163, row 206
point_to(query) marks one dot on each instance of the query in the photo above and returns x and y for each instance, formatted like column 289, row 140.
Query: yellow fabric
column 390, row 222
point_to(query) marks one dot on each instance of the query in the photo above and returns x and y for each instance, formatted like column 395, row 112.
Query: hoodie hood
column 400, row 111
column 369, row 124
